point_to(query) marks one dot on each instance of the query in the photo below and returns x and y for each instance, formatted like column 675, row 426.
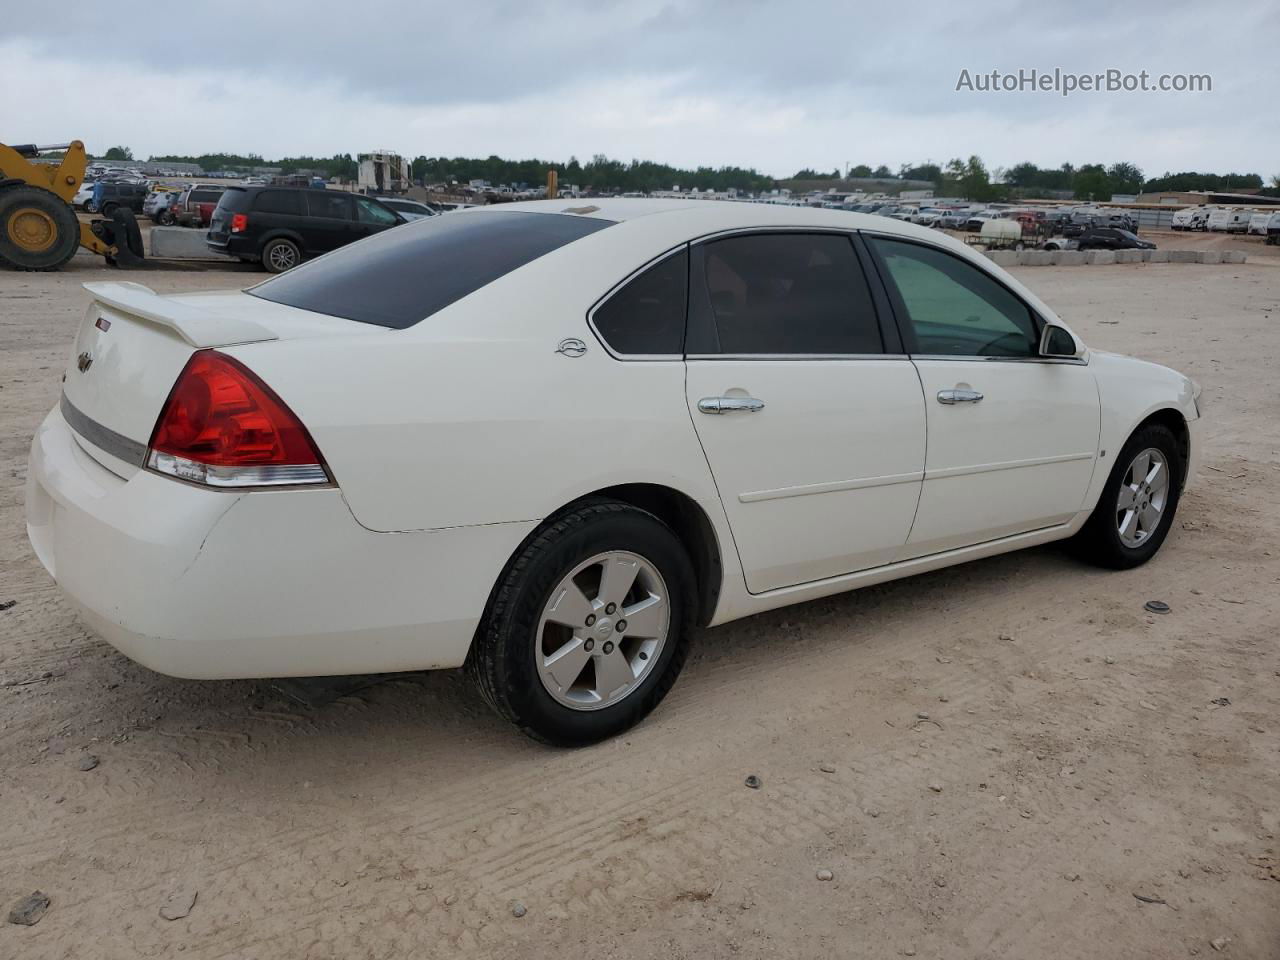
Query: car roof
column 691, row 218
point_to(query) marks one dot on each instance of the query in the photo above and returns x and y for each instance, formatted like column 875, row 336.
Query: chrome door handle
column 729, row 404
column 959, row 396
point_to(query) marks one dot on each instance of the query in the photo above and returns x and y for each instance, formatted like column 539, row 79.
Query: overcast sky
column 774, row 85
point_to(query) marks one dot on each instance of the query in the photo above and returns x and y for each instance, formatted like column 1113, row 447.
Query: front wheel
column 1136, row 508
column 589, row 626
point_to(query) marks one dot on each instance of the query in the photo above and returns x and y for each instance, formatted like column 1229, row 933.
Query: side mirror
column 1056, row 341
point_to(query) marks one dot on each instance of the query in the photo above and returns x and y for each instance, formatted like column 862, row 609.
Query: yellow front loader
column 39, row 229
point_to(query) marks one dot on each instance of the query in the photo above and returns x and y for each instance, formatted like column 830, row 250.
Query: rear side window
column 279, row 201
column 325, row 203
column 398, row 277
column 205, row 196
column 783, row 294
column 646, row 317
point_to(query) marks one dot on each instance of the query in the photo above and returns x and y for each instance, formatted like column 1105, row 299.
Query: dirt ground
column 1079, row 754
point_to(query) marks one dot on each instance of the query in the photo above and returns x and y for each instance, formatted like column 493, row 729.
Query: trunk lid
column 133, row 344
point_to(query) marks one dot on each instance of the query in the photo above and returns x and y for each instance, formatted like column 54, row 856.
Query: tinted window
column 369, row 212
column 647, row 315
column 953, row 308
column 327, row 203
column 205, row 196
column 785, row 293
column 287, row 202
column 398, row 277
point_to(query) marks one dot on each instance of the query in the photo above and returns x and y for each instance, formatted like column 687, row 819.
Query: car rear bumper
column 213, row 584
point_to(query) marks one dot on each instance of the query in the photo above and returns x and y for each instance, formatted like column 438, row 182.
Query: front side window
column 646, row 317
column 369, row 212
column 784, row 293
column 952, row 308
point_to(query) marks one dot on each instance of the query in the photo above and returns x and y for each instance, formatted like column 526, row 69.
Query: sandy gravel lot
column 1085, row 752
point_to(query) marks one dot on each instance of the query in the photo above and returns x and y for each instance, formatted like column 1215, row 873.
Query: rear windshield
column 407, row 273
column 235, row 199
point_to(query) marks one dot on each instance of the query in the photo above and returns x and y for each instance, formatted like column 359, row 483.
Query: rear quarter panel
column 471, row 417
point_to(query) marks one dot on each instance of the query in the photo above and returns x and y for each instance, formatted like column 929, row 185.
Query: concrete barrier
column 1068, row 258
column 1234, row 256
column 1128, row 256
column 1035, row 258
column 1184, row 256
column 1159, row 256
column 181, row 243
column 1003, row 258
column 1210, row 256
column 1100, row 256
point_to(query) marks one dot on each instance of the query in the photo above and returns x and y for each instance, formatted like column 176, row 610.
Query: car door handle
column 729, row 405
column 959, row 396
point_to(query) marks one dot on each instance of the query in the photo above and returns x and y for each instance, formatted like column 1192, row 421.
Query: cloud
column 750, row 83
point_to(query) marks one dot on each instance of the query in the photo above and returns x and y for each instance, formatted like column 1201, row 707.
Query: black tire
column 90, row 207
column 502, row 660
column 109, row 209
column 165, row 218
column 1098, row 542
column 48, row 207
column 280, row 254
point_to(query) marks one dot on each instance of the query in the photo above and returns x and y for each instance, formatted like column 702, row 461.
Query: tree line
column 970, row 178
column 1090, row 181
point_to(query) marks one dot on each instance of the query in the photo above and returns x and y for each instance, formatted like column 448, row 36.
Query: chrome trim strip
column 1003, row 465
column 104, row 438
column 1073, row 361
column 831, row 486
column 797, row 356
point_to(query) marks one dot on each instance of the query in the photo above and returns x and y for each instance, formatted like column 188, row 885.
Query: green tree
column 1125, row 178
column 118, row 153
column 882, row 173
column 1091, row 182
column 861, row 170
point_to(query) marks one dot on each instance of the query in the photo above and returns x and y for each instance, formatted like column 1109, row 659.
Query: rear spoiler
column 200, row 328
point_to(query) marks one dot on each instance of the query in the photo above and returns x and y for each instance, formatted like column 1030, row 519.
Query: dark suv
column 109, row 195
column 1111, row 238
column 281, row 226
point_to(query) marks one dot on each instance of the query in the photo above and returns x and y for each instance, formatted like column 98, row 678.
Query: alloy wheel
column 1144, row 494
column 602, row 630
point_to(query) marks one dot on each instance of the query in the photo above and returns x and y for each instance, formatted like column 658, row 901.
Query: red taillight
column 224, row 427
column 239, row 222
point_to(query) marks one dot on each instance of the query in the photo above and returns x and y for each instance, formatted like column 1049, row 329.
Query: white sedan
column 550, row 440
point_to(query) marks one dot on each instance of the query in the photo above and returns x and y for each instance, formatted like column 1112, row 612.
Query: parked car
column 976, row 221
column 159, row 205
column 1060, row 243
column 109, row 195
column 279, row 227
column 383, row 460
column 952, row 219
column 1110, row 238
column 84, row 193
column 409, row 209
column 195, row 206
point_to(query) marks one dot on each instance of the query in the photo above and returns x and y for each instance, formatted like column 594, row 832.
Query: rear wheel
column 589, row 626
column 38, row 231
column 1136, row 508
column 280, row 255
